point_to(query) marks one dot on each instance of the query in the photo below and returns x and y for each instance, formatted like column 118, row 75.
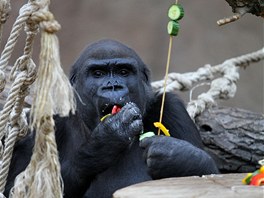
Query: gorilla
column 97, row 156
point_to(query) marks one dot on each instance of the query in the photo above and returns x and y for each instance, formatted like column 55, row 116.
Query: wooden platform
column 212, row 186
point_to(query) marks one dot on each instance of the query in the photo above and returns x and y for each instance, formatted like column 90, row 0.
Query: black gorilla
column 99, row 157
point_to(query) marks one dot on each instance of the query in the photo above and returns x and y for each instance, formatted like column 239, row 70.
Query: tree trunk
column 234, row 137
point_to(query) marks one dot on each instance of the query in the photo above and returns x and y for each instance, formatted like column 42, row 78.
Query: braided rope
column 12, row 110
column 24, row 79
column 11, row 99
column 42, row 176
column 223, row 87
column 15, row 102
column 10, row 142
column 45, row 139
column 25, row 12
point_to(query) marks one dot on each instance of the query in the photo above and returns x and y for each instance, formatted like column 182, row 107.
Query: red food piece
column 115, row 109
column 257, row 180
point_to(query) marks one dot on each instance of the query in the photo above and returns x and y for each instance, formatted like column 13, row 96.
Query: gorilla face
column 109, row 73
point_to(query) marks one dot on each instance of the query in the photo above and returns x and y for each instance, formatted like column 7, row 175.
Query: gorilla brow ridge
column 113, row 61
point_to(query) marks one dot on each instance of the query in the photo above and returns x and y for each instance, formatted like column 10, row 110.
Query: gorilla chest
column 130, row 169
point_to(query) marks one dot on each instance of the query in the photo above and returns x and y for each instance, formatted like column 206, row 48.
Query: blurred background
column 141, row 24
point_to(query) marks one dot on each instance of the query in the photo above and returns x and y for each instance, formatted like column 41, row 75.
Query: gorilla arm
column 181, row 154
column 105, row 146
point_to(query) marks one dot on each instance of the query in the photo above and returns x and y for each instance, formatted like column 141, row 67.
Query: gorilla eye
column 124, row 72
column 98, row 73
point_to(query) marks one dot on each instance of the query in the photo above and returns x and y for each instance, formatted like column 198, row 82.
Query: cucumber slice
column 176, row 12
column 146, row 135
column 173, row 28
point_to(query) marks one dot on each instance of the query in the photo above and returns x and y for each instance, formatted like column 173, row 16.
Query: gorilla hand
column 109, row 139
column 169, row 157
column 120, row 128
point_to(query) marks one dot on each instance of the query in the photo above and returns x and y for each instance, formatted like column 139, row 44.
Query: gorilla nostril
column 109, row 84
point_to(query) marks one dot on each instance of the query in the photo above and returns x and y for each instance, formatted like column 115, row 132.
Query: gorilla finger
column 154, row 163
column 131, row 113
column 145, row 154
column 146, row 142
column 129, row 106
column 155, row 151
column 136, row 127
column 155, row 173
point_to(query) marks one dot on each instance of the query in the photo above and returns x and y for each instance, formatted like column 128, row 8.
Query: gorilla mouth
column 112, row 106
column 110, row 109
column 106, row 109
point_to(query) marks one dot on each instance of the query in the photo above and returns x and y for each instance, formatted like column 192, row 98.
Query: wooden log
column 234, row 137
column 217, row 186
column 255, row 7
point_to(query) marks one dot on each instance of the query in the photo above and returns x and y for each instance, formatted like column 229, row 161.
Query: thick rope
column 47, row 151
column 221, row 88
column 15, row 101
column 25, row 12
column 12, row 111
column 42, row 176
column 24, row 63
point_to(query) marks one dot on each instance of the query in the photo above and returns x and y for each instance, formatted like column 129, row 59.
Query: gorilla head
column 109, row 73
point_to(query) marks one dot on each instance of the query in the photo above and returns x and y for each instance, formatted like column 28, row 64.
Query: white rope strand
column 223, row 87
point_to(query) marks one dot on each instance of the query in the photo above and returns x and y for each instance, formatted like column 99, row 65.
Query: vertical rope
column 25, row 12
column 42, row 177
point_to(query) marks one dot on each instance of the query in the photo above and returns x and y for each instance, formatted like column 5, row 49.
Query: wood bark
column 255, row 7
column 234, row 137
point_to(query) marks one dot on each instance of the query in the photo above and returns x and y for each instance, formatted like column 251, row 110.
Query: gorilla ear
column 146, row 74
column 73, row 75
column 72, row 79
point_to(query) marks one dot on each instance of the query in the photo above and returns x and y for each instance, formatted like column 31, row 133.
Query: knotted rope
column 42, row 176
column 223, row 87
column 25, row 12
column 23, row 73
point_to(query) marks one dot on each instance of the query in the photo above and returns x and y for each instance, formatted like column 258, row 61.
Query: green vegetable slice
column 146, row 135
column 173, row 28
column 176, row 12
